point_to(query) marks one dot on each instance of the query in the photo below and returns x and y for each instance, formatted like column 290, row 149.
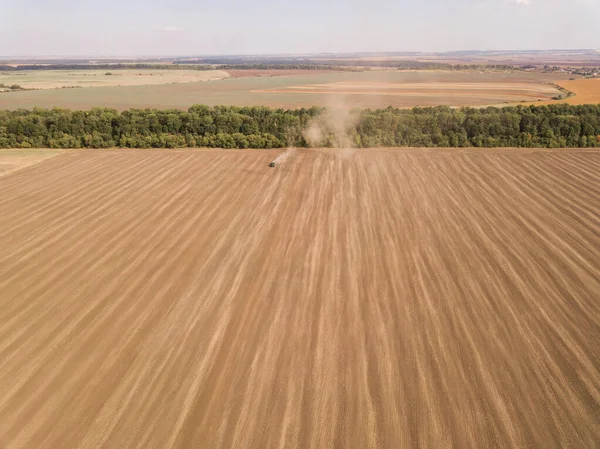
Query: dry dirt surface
column 492, row 92
column 368, row 299
column 13, row 160
column 587, row 91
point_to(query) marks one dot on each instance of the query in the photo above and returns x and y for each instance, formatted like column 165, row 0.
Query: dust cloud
column 288, row 154
column 334, row 128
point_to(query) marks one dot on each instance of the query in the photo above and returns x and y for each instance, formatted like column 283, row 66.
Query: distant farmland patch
column 586, row 91
column 12, row 160
column 372, row 89
column 56, row 79
column 450, row 92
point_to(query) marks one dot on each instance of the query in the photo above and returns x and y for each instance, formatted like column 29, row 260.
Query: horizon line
column 293, row 54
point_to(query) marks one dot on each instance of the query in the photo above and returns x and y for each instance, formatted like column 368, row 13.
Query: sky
column 211, row 27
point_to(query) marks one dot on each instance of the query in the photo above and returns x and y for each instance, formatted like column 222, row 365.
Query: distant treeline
column 347, row 64
column 422, row 65
column 225, row 64
column 190, row 65
column 552, row 126
column 266, row 64
column 139, row 66
column 271, row 63
column 586, row 72
column 286, row 67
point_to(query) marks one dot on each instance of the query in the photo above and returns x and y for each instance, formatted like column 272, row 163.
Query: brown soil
column 383, row 299
column 587, row 91
column 412, row 93
column 13, row 160
column 429, row 91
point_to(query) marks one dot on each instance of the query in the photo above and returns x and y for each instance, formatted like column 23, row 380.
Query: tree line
column 408, row 64
column 553, row 126
column 261, row 66
column 175, row 66
column 138, row 66
column 224, row 64
column 421, row 65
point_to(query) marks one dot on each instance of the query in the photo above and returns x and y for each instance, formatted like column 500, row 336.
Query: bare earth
column 587, row 91
column 13, row 160
column 375, row 299
column 493, row 92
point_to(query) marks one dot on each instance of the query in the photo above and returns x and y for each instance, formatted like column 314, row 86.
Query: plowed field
column 382, row 299
column 587, row 91
column 492, row 92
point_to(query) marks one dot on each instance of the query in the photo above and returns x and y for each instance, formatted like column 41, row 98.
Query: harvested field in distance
column 55, row 79
column 278, row 91
column 12, row 160
column 376, row 298
column 494, row 92
column 587, row 91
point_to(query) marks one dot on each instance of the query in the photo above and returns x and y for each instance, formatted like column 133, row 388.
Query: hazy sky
column 183, row 27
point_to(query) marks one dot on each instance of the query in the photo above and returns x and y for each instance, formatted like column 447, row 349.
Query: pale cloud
column 523, row 2
column 173, row 29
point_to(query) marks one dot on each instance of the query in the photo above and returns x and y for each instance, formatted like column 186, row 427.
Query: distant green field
column 363, row 89
column 56, row 79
